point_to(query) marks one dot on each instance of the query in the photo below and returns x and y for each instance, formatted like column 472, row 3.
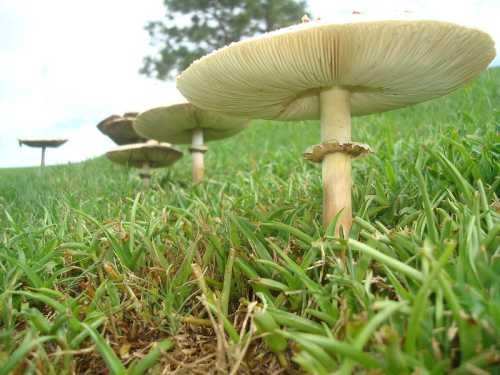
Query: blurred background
column 66, row 65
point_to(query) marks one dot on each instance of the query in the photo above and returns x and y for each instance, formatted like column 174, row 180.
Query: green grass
column 96, row 273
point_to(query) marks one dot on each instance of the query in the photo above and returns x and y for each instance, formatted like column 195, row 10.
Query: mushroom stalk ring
column 316, row 153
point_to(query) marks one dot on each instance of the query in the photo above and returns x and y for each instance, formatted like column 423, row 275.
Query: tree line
column 192, row 28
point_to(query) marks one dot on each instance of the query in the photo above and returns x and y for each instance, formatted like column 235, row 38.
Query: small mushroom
column 151, row 154
column 185, row 124
column 120, row 130
column 43, row 144
column 328, row 71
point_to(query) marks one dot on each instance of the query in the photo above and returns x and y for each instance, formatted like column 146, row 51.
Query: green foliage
column 88, row 260
column 193, row 28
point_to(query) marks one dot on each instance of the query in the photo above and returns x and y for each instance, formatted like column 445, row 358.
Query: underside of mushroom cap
column 120, row 129
column 42, row 142
column 176, row 123
column 136, row 155
column 384, row 64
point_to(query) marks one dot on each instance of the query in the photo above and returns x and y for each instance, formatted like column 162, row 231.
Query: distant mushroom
column 329, row 71
column 43, row 144
column 120, row 130
column 185, row 124
column 151, row 154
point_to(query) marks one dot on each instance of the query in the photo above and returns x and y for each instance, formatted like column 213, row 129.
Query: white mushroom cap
column 176, row 123
column 385, row 64
column 136, row 155
column 42, row 142
column 119, row 128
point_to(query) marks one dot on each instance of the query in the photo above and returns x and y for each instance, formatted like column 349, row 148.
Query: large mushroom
column 151, row 154
column 185, row 124
column 43, row 144
column 120, row 130
column 330, row 71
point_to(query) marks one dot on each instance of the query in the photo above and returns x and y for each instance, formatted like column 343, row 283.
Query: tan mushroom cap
column 385, row 64
column 176, row 123
column 136, row 155
column 42, row 142
column 120, row 129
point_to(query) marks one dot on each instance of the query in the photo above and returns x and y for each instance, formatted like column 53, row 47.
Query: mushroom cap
column 120, row 129
column 384, row 64
column 155, row 153
column 176, row 123
column 42, row 142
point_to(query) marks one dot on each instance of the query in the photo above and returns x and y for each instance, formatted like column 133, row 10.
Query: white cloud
column 65, row 65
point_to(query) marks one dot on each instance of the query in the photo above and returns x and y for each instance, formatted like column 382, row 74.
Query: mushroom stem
column 43, row 157
column 336, row 125
column 146, row 174
column 197, row 155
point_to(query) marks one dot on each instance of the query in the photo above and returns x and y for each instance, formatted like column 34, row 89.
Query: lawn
column 98, row 275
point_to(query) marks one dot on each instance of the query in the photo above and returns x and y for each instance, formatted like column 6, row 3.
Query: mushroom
column 151, row 154
column 43, row 144
column 330, row 71
column 119, row 129
column 185, row 124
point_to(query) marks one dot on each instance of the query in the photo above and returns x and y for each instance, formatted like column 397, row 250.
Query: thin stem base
column 337, row 180
column 197, row 156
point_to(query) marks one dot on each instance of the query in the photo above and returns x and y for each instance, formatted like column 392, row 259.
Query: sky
column 65, row 65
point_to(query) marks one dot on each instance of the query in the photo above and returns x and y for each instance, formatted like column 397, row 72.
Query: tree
column 192, row 28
